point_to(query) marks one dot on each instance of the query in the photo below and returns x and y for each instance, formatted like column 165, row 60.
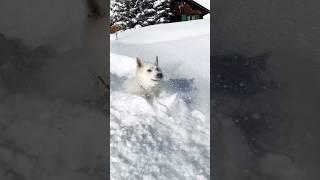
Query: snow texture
column 168, row 137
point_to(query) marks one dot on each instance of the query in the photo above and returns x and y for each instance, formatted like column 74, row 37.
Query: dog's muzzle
column 159, row 75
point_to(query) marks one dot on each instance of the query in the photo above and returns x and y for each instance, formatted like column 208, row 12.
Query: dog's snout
column 159, row 75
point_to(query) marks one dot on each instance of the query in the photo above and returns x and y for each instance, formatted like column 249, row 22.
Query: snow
column 169, row 137
column 182, row 30
column 145, row 12
column 204, row 3
column 158, row 3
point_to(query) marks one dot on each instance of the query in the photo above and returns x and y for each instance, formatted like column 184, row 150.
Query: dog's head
column 148, row 74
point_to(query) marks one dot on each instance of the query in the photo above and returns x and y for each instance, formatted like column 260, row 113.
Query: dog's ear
column 156, row 63
column 139, row 62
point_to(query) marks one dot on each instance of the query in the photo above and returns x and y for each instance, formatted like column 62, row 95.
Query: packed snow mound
column 149, row 141
column 167, row 137
column 121, row 65
column 165, row 32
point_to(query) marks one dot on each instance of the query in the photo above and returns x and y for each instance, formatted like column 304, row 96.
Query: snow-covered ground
column 170, row 137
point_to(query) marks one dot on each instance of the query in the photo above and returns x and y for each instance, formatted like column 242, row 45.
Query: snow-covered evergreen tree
column 118, row 13
column 130, row 13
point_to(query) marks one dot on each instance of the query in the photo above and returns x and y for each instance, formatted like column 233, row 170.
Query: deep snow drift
column 167, row 138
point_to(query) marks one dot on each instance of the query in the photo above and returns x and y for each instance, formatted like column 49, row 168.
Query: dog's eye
column 157, row 69
column 149, row 70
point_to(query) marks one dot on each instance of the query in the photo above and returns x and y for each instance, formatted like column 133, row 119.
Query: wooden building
column 186, row 10
column 182, row 10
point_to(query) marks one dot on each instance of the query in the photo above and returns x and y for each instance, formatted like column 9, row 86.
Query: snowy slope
column 169, row 137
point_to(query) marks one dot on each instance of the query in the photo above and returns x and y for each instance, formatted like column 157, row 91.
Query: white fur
column 146, row 82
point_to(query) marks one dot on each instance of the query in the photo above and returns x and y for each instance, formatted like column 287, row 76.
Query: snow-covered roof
column 204, row 3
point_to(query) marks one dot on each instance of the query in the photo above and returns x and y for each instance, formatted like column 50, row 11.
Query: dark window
column 184, row 18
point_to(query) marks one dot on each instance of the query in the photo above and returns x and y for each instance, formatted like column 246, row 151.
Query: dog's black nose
column 159, row 75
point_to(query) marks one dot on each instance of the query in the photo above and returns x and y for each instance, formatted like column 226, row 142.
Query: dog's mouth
column 157, row 80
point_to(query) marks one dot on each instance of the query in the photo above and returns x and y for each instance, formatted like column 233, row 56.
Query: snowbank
column 165, row 32
column 167, row 138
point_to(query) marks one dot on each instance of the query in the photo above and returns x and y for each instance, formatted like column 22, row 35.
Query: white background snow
column 151, row 141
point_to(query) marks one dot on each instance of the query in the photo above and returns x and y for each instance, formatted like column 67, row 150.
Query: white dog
column 147, row 79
